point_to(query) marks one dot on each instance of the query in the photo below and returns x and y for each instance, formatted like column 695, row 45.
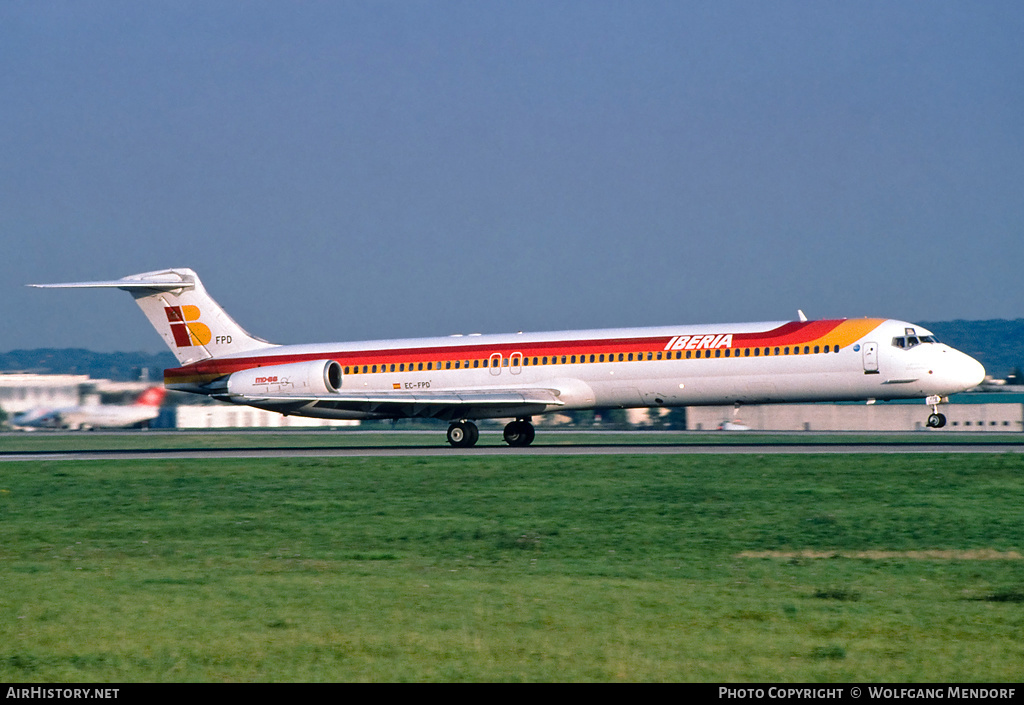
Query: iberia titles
column 700, row 342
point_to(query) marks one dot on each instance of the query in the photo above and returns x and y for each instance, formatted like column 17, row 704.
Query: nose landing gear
column 935, row 419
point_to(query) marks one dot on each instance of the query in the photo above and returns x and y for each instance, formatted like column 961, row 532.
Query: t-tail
column 154, row 396
column 193, row 325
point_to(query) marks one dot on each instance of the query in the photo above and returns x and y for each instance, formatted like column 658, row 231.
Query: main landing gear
column 519, row 433
column 465, row 434
column 935, row 419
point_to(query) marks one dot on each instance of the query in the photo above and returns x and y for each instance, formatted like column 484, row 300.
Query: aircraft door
column 495, row 364
column 515, row 363
column 870, row 353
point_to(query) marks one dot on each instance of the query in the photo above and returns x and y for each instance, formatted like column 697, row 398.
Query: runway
column 773, row 447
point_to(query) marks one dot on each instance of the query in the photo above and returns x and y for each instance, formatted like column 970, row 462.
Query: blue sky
column 358, row 170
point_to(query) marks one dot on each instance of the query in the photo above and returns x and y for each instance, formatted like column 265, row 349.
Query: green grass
column 514, row 568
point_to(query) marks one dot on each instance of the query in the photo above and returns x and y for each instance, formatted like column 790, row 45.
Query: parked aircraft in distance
column 145, row 409
column 464, row 378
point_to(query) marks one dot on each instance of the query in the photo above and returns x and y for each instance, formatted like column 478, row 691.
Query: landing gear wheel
column 519, row 433
column 936, row 420
column 463, row 434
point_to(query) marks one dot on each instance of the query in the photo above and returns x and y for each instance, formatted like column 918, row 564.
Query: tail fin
column 154, row 396
column 193, row 325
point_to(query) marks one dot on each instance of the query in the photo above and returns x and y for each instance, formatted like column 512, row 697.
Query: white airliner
column 145, row 409
column 463, row 378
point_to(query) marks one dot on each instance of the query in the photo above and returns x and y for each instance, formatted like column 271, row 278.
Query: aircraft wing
column 448, row 405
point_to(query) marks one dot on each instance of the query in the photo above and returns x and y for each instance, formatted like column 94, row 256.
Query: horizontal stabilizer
column 192, row 324
column 157, row 281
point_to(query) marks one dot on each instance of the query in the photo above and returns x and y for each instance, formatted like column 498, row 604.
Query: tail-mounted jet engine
column 299, row 379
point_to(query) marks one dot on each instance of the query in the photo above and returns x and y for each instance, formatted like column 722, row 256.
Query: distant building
column 21, row 392
column 969, row 412
column 231, row 416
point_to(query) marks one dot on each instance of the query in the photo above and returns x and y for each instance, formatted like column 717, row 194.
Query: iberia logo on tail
column 185, row 326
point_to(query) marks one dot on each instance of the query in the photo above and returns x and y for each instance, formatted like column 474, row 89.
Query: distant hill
column 998, row 344
column 121, row 367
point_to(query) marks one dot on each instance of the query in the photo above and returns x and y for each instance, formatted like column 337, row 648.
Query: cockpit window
column 909, row 341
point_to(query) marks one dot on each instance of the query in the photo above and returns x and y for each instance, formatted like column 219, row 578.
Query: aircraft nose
column 973, row 371
column 967, row 372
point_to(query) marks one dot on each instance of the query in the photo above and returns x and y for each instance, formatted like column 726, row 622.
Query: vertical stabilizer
column 193, row 325
column 154, row 396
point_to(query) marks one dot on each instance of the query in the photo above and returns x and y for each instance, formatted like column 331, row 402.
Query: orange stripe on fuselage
column 842, row 333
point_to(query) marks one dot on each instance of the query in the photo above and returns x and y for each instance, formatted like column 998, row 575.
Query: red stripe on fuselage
column 789, row 334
